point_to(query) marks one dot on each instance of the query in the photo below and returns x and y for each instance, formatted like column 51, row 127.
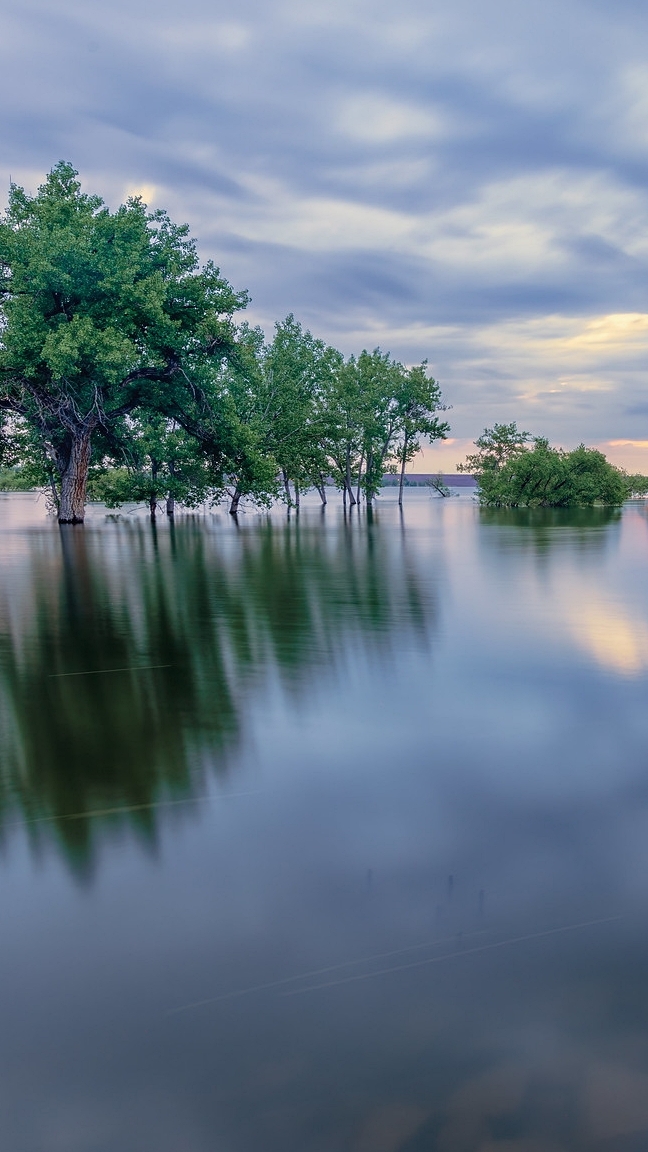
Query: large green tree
column 102, row 313
column 377, row 410
column 297, row 371
column 230, row 421
column 363, row 422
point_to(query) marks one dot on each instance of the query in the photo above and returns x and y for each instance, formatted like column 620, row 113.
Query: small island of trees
column 516, row 470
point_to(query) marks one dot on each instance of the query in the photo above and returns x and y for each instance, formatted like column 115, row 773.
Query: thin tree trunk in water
column 402, row 473
column 321, row 488
column 286, row 484
column 155, row 468
column 348, row 480
column 359, row 478
column 233, row 508
column 170, row 500
column 368, row 478
column 74, row 480
column 296, row 484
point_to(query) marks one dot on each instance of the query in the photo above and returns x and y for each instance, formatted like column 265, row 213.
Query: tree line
column 126, row 374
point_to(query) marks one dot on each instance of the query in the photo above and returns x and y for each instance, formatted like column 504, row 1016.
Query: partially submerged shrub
column 512, row 475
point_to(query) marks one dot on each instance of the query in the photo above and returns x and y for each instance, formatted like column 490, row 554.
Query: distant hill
column 422, row 479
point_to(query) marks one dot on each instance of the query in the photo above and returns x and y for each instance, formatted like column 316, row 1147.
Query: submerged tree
column 512, row 475
column 297, row 370
column 229, row 419
column 379, row 380
column 362, row 421
column 343, row 427
column 162, row 464
column 102, row 313
column 495, row 447
column 418, row 400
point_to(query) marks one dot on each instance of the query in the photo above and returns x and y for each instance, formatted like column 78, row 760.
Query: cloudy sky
column 459, row 180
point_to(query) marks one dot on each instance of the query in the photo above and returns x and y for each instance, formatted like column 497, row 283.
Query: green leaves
column 378, row 410
column 103, row 313
column 95, row 296
column 497, row 445
column 78, row 349
column 113, row 336
column 510, row 475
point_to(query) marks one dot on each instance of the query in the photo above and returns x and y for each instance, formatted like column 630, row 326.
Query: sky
column 462, row 181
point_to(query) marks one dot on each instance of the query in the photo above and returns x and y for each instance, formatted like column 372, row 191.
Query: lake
column 324, row 835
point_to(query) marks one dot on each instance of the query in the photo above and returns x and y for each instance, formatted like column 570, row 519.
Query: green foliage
column 103, row 313
column 376, row 412
column 418, row 400
column 496, row 446
column 637, row 486
column 27, row 467
column 296, row 377
column 359, row 422
column 163, row 462
column 15, row 480
column 544, row 477
column 121, row 368
column 233, row 429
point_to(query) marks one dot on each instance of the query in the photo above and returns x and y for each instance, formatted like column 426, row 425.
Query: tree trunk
column 402, row 473
column 321, row 488
column 369, row 473
column 170, row 501
column 233, row 508
column 286, row 484
column 347, row 478
column 359, row 478
column 296, row 485
column 74, row 479
column 155, row 468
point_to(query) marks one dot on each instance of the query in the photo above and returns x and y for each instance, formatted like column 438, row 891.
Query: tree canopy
column 103, row 312
column 122, row 365
column 510, row 474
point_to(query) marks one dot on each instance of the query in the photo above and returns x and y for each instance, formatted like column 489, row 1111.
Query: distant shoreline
column 412, row 480
column 422, row 479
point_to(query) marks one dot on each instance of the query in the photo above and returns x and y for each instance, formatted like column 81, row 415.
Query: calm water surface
column 324, row 836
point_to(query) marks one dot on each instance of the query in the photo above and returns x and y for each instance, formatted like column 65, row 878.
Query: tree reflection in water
column 543, row 530
column 129, row 658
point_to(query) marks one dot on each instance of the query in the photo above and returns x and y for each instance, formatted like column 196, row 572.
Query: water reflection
column 542, row 530
column 128, row 655
column 563, row 555
column 425, row 931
